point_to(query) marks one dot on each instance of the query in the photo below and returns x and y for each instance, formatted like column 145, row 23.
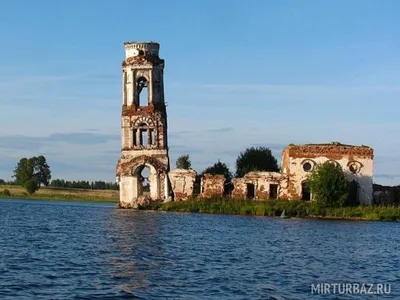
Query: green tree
column 42, row 172
column 31, row 173
column 328, row 184
column 23, row 172
column 256, row 159
column 183, row 162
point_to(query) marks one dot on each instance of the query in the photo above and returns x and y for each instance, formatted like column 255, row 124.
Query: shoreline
column 224, row 206
column 325, row 218
column 331, row 218
column 112, row 201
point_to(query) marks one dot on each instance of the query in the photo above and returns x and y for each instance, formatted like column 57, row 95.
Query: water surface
column 65, row 250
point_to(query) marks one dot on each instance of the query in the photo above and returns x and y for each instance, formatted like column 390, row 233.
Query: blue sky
column 238, row 73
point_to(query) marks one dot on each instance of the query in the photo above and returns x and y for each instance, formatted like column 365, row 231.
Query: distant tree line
column 82, row 184
column 9, row 182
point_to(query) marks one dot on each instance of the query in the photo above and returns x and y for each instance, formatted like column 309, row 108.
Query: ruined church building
column 145, row 145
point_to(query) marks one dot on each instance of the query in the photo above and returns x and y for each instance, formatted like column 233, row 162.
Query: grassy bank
column 271, row 208
column 48, row 193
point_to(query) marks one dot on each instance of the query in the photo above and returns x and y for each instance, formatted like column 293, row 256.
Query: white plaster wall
column 154, row 181
column 125, row 132
column 364, row 178
column 129, row 89
column 129, row 94
column 123, row 86
column 166, row 190
column 150, row 93
column 182, row 181
column 282, row 188
column 127, row 190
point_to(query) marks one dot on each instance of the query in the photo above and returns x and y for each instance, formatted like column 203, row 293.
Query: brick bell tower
column 143, row 127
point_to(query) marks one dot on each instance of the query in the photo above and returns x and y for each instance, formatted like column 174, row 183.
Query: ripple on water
column 61, row 250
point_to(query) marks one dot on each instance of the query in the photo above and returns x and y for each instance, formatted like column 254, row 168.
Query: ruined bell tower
column 143, row 127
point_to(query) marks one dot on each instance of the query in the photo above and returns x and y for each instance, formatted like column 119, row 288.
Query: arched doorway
column 146, row 182
column 305, row 191
column 143, row 181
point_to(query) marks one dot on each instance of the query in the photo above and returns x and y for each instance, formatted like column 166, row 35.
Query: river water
column 65, row 250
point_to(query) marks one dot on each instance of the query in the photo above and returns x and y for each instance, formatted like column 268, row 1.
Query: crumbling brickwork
column 265, row 185
column 239, row 188
column 212, row 186
column 299, row 160
column 297, row 163
column 143, row 126
column 182, row 183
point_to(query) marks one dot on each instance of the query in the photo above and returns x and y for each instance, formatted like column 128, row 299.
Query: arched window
column 308, row 165
column 142, row 90
column 143, row 135
column 354, row 166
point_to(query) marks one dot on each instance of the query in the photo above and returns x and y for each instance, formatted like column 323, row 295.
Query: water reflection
column 136, row 248
column 65, row 250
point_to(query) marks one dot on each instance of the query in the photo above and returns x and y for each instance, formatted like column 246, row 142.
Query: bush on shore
column 5, row 192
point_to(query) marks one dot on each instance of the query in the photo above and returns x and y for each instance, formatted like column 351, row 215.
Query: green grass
column 273, row 208
column 16, row 192
column 241, row 207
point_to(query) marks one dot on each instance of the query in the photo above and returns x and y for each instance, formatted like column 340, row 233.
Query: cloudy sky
column 238, row 73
